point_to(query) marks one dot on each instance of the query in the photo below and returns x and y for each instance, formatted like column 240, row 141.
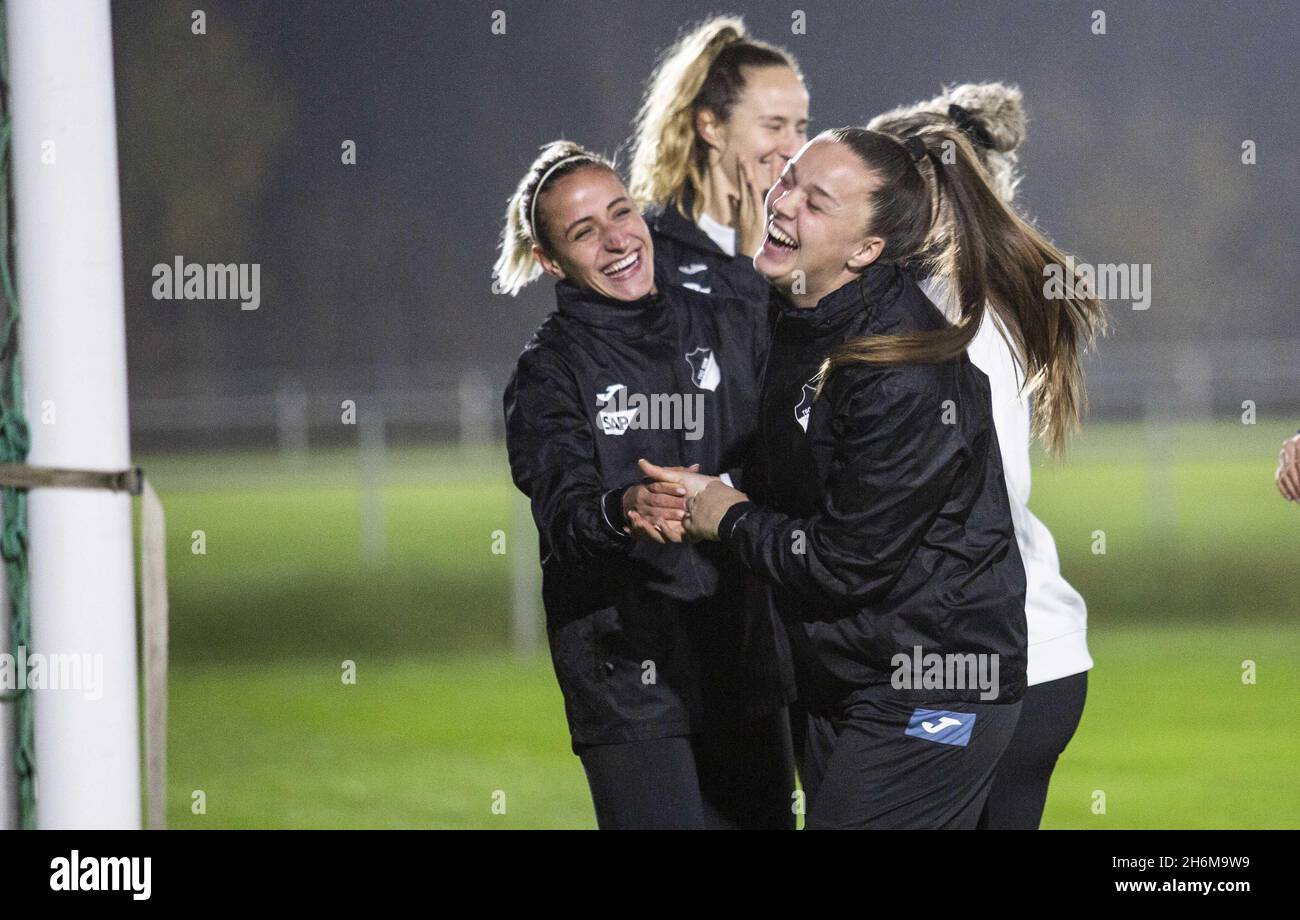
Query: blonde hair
column 517, row 267
column 999, row 110
column 702, row 70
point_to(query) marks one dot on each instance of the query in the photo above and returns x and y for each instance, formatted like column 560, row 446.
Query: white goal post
column 68, row 262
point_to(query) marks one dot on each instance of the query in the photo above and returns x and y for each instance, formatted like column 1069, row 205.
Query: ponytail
column 525, row 228
column 993, row 116
column 962, row 228
column 702, row 70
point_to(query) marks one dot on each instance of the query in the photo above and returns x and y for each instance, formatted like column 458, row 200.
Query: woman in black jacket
column 722, row 115
column 674, row 686
column 993, row 117
column 879, row 509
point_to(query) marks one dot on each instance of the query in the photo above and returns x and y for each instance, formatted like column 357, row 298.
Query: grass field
column 1198, row 576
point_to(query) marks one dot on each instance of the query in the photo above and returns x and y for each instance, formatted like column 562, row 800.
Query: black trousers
column 739, row 776
column 1048, row 718
column 884, row 763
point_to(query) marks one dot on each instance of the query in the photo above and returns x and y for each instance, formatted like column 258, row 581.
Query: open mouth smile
column 779, row 239
column 624, row 267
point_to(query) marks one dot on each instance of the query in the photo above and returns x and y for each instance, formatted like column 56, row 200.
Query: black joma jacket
column 880, row 510
column 687, row 256
column 647, row 640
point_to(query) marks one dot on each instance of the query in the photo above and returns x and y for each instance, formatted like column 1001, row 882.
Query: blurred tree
column 202, row 121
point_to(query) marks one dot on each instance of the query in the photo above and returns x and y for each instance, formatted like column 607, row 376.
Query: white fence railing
column 1162, row 384
column 294, row 411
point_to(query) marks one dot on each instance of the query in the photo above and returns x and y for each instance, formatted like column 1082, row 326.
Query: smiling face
column 818, row 214
column 596, row 236
column 769, row 123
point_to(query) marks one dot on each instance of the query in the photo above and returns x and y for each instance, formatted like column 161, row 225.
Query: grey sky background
column 230, row 152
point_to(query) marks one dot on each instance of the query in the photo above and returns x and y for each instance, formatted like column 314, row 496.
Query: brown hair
column 702, row 70
column 942, row 210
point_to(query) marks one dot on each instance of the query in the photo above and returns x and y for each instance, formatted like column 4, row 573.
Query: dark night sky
column 230, row 152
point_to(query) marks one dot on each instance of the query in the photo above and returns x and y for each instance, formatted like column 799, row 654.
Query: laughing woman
column 674, row 687
column 992, row 116
column 879, row 509
column 721, row 117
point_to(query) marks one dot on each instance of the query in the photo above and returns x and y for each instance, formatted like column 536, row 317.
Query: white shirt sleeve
column 1056, row 613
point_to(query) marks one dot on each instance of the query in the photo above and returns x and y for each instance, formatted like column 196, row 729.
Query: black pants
column 887, row 763
column 739, row 776
column 1048, row 717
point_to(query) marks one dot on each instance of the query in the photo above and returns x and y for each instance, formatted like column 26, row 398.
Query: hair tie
column 971, row 126
column 915, row 147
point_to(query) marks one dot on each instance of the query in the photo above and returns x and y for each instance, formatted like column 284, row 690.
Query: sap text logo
column 624, row 411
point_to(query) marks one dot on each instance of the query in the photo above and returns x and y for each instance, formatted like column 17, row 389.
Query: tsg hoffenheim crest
column 705, row 372
column 804, row 409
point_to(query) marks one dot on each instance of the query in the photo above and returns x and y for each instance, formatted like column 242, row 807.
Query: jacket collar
column 649, row 314
column 873, row 290
column 676, row 225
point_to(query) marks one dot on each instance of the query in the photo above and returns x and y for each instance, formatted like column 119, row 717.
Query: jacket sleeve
column 893, row 465
column 751, row 328
column 552, row 461
column 749, row 476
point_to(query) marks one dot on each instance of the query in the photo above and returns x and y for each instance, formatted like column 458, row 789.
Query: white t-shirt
column 1056, row 614
column 721, row 234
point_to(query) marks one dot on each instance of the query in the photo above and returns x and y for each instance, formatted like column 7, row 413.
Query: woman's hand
column 1288, row 469
column 707, row 498
column 705, row 510
column 691, row 480
column 749, row 207
column 654, row 510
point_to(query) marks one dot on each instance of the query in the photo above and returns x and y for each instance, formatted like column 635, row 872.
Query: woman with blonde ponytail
column 675, row 688
column 722, row 115
column 880, row 513
column 993, row 118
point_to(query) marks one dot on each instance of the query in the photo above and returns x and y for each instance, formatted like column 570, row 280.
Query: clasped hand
column 676, row 503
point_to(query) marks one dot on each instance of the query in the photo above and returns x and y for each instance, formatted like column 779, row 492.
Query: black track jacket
column 879, row 508
column 686, row 255
column 648, row 640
